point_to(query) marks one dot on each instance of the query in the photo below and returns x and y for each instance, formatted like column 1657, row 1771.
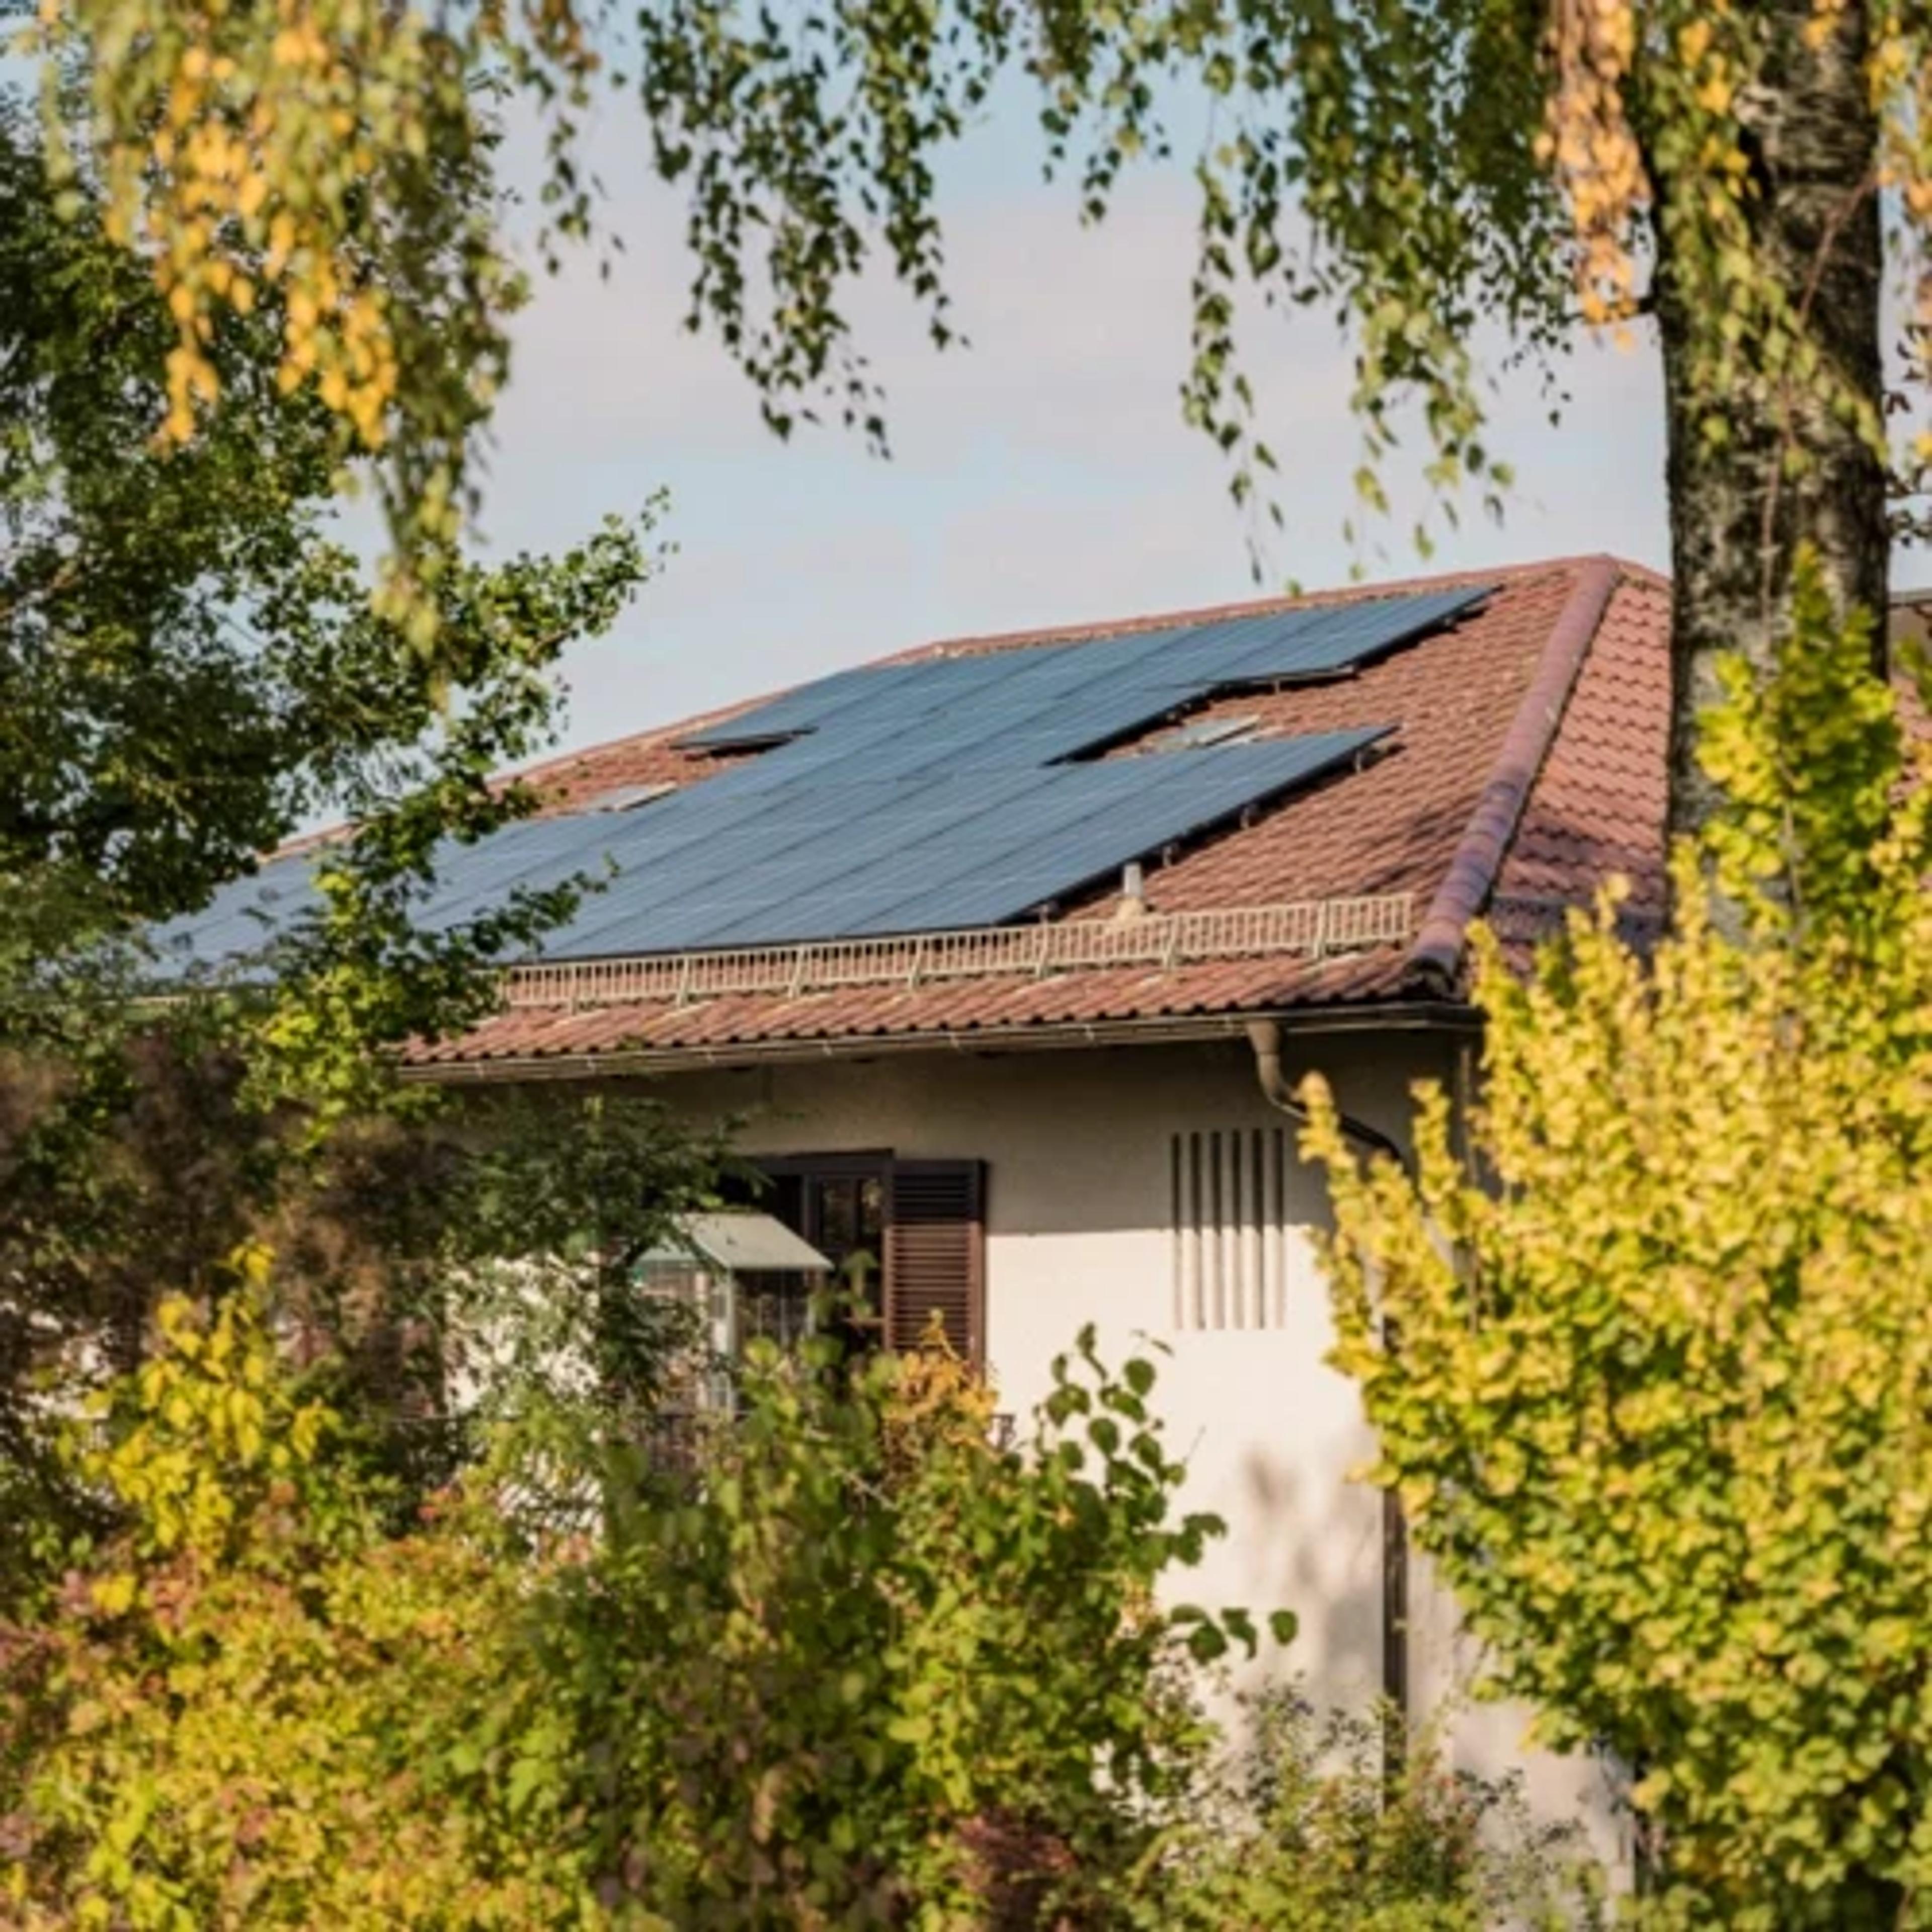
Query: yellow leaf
column 114, row 1596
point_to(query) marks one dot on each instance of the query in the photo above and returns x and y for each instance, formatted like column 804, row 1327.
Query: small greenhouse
column 749, row 1277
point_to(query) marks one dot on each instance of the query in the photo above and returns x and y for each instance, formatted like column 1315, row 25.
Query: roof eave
column 1428, row 1014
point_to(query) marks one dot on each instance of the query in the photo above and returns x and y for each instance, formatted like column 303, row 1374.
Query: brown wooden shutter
column 936, row 1254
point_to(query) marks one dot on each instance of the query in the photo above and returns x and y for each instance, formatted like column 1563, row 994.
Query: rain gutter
column 1404, row 1016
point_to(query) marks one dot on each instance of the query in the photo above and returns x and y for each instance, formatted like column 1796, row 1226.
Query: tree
column 1428, row 172
column 190, row 670
column 872, row 1653
column 1649, row 1363
column 257, row 1702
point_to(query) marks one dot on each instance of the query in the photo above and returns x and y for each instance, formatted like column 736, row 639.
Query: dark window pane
column 784, row 1201
column 839, row 1217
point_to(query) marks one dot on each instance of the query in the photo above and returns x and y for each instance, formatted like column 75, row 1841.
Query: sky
column 1042, row 476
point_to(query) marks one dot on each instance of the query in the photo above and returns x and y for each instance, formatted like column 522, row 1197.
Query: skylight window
column 627, row 798
column 1206, row 731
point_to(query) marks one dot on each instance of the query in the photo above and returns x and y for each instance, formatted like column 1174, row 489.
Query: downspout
column 1264, row 1036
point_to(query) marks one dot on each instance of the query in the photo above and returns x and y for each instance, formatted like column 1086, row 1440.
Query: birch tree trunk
column 1750, row 475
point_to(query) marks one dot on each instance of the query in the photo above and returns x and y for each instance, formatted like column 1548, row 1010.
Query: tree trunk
column 1789, row 467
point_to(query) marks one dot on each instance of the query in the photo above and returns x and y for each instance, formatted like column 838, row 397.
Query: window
column 909, row 1235
column 838, row 1204
column 773, row 1306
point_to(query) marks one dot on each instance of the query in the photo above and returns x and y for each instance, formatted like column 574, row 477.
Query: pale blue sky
column 1041, row 476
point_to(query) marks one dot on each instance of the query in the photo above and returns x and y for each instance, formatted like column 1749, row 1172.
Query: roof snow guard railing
column 1310, row 928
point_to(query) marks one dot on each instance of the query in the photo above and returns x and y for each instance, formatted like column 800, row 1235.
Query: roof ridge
column 1346, row 593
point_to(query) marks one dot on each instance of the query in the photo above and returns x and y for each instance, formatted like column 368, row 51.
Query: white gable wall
column 1079, row 1146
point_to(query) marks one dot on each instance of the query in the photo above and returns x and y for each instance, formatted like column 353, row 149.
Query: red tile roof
column 1529, row 767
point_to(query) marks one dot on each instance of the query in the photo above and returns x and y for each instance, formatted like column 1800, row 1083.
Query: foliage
column 254, row 1706
column 454, row 1268
column 191, row 668
column 1651, row 1373
column 811, row 1689
column 1316, row 1838
column 877, row 1671
column 327, row 168
column 1424, row 173
column 191, row 672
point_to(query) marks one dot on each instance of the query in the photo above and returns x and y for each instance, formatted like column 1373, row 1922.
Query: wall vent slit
column 1228, row 1190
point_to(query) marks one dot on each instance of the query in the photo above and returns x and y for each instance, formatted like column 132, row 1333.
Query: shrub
column 866, row 1669
column 1313, row 1835
column 252, row 1707
column 881, row 1672
column 1653, row 1371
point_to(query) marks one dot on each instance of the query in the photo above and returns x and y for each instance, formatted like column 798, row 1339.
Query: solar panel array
column 1229, row 654
column 944, row 793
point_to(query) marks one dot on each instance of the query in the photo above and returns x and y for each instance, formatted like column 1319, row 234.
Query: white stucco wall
column 1078, row 1145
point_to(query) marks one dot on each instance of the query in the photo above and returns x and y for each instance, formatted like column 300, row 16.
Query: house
column 1008, row 951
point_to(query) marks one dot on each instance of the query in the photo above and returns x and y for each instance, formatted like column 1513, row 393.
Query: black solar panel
column 799, row 710
column 241, row 918
column 1316, row 643
column 1092, row 819
column 957, row 848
